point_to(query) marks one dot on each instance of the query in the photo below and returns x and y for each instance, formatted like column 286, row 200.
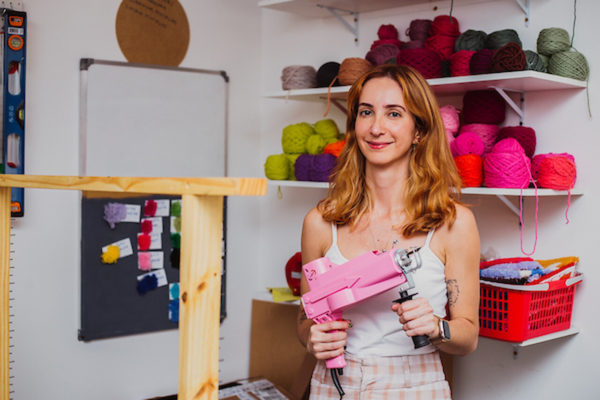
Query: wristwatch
column 444, row 331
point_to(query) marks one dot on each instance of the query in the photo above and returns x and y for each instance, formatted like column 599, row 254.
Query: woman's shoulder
column 316, row 233
column 315, row 222
column 463, row 226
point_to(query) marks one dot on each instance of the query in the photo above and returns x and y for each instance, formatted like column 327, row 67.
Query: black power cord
column 336, row 381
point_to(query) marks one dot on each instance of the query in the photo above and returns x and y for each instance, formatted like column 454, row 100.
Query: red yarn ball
column 554, row 171
column 388, row 31
column 481, row 62
column 459, row 63
column 442, row 44
column 150, row 208
column 383, row 54
column 146, row 226
column 523, row 134
column 470, row 169
column 483, row 107
column 144, row 241
column 426, row 61
column 444, row 25
column 509, row 57
column 380, row 42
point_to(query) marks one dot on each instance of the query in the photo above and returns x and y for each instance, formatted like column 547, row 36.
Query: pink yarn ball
column 487, row 132
column 451, row 121
column 523, row 134
column 507, row 166
column 388, row 31
column 467, row 143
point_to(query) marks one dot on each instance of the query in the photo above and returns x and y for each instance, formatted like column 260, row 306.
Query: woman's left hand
column 417, row 318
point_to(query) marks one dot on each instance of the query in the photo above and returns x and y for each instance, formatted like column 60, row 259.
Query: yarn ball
column 111, row 255
column 326, row 128
column 426, row 61
column 335, row 148
column 147, row 283
column 487, row 132
column 553, row 40
column 451, row 120
column 388, row 31
column 506, row 166
column 175, row 240
column 414, row 44
column 497, row 39
column 277, row 167
column 470, row 169
column 353, row 68
column 483, row 107
column 327, row 73
column 146, row 226
column 176, row 224
column 481, row 62
column 144, row 241
column 554, row 171
column 150, row 208
column 292, row 162
column 298, row 77
column 523, row 134
column 176, row 209
column 467, row 143
column 384, row 54
column 114, row 213
column 321, row 168
column 570, row 64
column 460, row 63
column 144, row 261
column 444, row 25
column 418, row 30
column 534, row 61
column 175, row 258
column 294, row 136
column 470, row 40
column 315, row 144
column 442, row 44
column 509, row 57
column 302, row 167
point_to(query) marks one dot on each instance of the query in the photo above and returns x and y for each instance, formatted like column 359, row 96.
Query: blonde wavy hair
column 433, row 185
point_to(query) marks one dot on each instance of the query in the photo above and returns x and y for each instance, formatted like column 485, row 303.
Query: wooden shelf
column 520, row 81
column 466, row 191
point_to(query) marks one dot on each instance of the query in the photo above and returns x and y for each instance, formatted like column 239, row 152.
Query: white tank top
column 375, row 328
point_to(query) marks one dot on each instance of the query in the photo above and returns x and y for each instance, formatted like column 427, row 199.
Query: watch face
column 445, row 331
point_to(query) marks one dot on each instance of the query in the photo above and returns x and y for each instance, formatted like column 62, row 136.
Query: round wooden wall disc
column 153, row 31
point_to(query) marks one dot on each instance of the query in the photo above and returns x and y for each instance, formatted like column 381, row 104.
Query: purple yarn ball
column 322, row 166
column 114, row 213
column 302, row 167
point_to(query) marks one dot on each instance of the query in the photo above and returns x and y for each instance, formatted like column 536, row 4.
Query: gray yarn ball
column 497, row 39
column 470, row 40
column 534, row 61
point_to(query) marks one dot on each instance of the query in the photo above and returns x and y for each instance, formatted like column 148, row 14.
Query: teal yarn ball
column 497, row 39
column 315, row 144
column 570, row 64
column 326, row 128
column 293, row 139
column 534, row 61
column 553, row 40
column 277, row 167
column 470, row 40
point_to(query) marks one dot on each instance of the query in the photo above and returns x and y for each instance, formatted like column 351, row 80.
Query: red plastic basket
column 519, row 312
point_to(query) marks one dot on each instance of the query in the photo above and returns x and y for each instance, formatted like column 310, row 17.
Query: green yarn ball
column 277, row 167
column 534, row 61
column 293, row 139
column 553, row 40
column 331, row 140
column 177, row 224
column 545, row 59
column 326, row 128
column 470, row 40
column 176, row 209
column 292, row 162
column 570, row 64
column 315, row 144
column 175, row 240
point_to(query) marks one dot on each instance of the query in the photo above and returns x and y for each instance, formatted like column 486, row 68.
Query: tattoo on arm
column 453, row 291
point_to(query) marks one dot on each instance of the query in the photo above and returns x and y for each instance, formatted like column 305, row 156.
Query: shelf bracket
column 340, row 106
column 525, row 7
column 337, row 12
column 520, row 110
column 516, row 348
column 508, row 204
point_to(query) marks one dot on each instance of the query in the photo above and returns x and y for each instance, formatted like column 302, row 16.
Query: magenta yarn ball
column 387, row 31
column 508, row 145
column 467, row 143
column 483, row 107
column 426, row 61
column 507, row 166
column 487, row 132
column 523, row 134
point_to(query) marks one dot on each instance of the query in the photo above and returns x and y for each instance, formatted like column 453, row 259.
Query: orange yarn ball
column 470, row 169
column 335, row 148
column 353, row 68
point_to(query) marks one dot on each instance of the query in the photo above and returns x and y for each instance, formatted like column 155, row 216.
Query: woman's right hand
column 327, row 340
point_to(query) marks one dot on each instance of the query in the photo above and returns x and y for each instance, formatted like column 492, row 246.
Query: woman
column 395, row 186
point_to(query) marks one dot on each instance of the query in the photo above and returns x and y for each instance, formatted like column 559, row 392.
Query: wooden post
column 200, row 285
column 4, row 291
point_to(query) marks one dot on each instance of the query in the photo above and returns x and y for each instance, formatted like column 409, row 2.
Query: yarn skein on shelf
column 523, row 134
column 298, row 77
column 470, row 169
column 555, row 171
column 487, row 132
column 451, row 120
column 509, row 57
column 426, row 61
column 353, row 68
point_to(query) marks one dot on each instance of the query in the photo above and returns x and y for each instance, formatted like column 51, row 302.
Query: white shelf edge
column 466, row 191
column 506, row 80
column 551, row 336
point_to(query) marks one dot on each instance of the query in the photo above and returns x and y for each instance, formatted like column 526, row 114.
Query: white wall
column 564, row 368
column 50, row 362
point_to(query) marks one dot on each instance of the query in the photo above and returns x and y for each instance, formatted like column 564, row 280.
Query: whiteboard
column 144, row 120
